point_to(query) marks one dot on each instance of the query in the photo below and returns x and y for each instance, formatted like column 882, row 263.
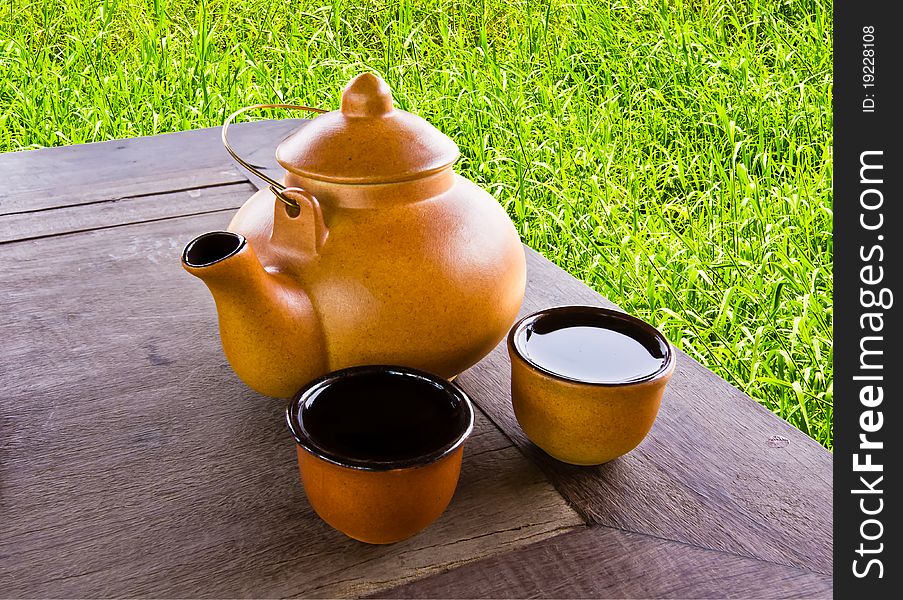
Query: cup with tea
column 586, row 381
column 380, row 448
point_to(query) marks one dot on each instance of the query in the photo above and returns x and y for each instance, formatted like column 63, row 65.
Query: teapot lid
column 367, row 141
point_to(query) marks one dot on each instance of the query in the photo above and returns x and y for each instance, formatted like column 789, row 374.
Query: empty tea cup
column 380, row 448
column 587, row 382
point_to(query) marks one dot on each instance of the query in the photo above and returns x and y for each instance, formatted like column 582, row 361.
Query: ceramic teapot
column 373, row 251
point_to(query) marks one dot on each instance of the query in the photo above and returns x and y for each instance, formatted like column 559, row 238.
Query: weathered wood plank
column 114, row 213
column 706, row 475
column 601, row 562
column 134, row 463
column 39, row 180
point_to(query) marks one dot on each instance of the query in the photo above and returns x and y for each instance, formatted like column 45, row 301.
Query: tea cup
column 586, row 381
column 380, row 448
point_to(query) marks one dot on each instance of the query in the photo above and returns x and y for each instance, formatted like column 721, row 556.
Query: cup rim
column 303, row 438
column 607, row 314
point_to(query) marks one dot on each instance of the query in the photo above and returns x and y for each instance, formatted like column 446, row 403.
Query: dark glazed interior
column 380, row 417
column 211, row 248
column 562, row 317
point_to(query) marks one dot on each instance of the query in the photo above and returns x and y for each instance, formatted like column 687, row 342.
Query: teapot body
column 427, row 273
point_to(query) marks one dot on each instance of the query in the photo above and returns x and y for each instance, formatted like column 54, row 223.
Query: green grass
column 674, row 155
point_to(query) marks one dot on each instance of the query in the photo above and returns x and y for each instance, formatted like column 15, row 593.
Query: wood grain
column 706, row 474
column 40, row 180
column 607, row 563
column 134, row 463
column 114, row 213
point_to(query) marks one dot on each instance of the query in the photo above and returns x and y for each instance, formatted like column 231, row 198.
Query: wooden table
column 133, row 462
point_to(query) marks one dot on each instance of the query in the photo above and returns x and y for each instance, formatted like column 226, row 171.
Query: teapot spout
column 269, row 329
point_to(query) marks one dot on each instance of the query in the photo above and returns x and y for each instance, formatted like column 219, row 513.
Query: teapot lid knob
column 367, row 95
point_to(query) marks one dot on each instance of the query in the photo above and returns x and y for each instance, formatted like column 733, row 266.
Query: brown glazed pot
column 391, row 257
column 585, row 423
column 386, row 487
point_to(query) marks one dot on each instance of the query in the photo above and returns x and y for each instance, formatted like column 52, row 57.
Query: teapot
column 371, row 251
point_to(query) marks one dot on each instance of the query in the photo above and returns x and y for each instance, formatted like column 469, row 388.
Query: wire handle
column 275, row 186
